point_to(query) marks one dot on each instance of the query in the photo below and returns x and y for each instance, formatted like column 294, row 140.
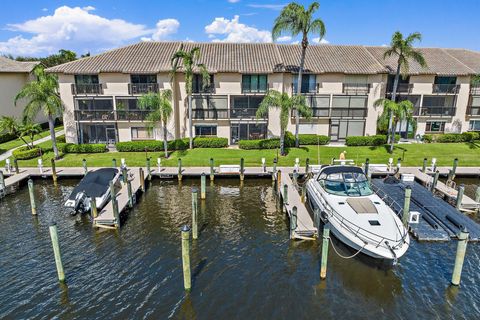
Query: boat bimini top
column 344, row 181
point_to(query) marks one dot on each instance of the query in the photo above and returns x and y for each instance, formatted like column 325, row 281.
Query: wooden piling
column 460, row 256
column 149, row 171
column 142, row 179
column 461, row 191
column 435, row 180
column 84, row 164
column 285, row 193
column 2, row 181
column 179, row 169
column 54, row 172
column 15, row 163
column 32, row 197
column 295, row 177
column 56, row 252
column 187, row 279
column 399, row 163
column 326, row 238
column 212, row 170
column 194, row 214
column 242, row 164
column 367, row 164
column 93, row 208
column 114, row 163
column 424, row 167
column 406, row 206
column 454, row 167
column 307, row 165
column 124, row 175
column 293, row 222
column 279, row 180
column 304, row 192
column 203, row 186
column 113, row 196
column 477, row 194
column 130, row 194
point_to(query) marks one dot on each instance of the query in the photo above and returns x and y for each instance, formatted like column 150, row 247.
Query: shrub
column 376, row 140
column 313, row 139
column 259, row 144
column 449, row 138
column 24, row 153
column 210, row 142
column 470, row 136
column 289, row 139
column 151, row 145
column 427, row 138
column 5, row 137
column 61, row 139
column 83, row 148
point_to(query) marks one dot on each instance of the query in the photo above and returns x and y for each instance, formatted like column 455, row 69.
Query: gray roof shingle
column 9, row 65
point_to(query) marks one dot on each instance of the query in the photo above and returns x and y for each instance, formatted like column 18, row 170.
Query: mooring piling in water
column 285, row 193
column 124, row 175
column 84, row 165
column 367, row 163
column 316, row 218
column 399, row 163
column 149, row 172
column 93, row 208
column 56, row 252
column 304, row 192
column 203, row 186
column 293, row 222
column 15, row 164
column 307, row 165
column 187, row 278
column 179, row 169
column 325, row 240
column 460, row 256
column 461, row 191
column 454, row 167
column 406, row 206
column 424, row 166
column 435, row 180
column 54, row 172
column 159, row 164
column 2, row 181
column 279, row 180
column 274, row 171
column 194, row 214
column 242, row 167
column 32, row 197
column 295, row 176
column 130, row 194
column 212, row 170
column 113, row 196
column 141, row 174
column 477, row 194
column 114, row 163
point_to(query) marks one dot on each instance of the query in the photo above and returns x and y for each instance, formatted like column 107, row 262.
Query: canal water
column 244, row 265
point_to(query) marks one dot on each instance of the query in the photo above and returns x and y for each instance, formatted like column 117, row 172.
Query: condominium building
column 340, row 83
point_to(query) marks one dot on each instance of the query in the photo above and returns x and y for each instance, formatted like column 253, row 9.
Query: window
column 197, row 84
column 402, row 83
column 142, row 134
column 414, row 99
column 254, row 83
column 474, row 125
column 95, row 104
column 86, row 79
column 439, row 101
column 143, row 78
column 349, row 106
column 309, row 83
column 445, row 80
column 475, row 101
column 205, row 131
column 244, row 106
column 126, row 104
column 435, row 126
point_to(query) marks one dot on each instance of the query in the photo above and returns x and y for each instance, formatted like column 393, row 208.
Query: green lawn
column 18, row 142
column 413, row 154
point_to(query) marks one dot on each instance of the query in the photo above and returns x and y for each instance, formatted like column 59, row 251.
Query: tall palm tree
column 286, row 104
column 189, row 64
column 395, row 112
column 42, row 96
column 403, row 50
column 160, row 107
column 294, row 19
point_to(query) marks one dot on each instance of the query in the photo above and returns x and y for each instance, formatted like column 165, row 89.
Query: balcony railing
column 434, row 111
column 348, row 113
column 141, row 88
column 207, row 90
column 445, row 88
column 203, row 114
column 356, row 88
column 473, row 111
column 96, row 88
column 311, row 89
column 475, row 89
column 316, row 113
column 239, row 113
column 89, row 115
column 259, row 89
column 132, row 115
column 402, row 88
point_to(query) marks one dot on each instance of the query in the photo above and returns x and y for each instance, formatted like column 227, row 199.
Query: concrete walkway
column 8, row 153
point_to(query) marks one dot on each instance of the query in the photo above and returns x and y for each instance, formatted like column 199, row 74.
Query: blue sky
column 36, row 28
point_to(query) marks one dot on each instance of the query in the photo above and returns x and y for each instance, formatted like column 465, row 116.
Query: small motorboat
column 95, row 184
column 357, row 216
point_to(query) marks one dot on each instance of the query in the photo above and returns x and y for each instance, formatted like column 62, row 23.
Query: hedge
column 451, row 137
column 24, row 153
column 5, row 137
column 259, row 144
column 82, row 148
column 151, row 145
column 312, row 139
column 376, row 140
column 210, row 142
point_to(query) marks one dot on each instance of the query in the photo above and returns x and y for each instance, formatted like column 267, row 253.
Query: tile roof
column 154, row 57
column 9, row 65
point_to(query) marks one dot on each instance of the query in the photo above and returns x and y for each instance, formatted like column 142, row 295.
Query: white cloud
column 79, row 29
column 318, row 41
column 233, row 1
column 44, row 9
column 236, row 31
column 277, row 7
column 284, row 39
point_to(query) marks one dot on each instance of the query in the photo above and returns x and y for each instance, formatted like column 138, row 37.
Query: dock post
column 15, row 164
column 32, row 197
column 179, row 169
column 406, row 206
column 54, row 172
column 435, row 180
column 130, row 193
column 56, row 252
column 367, row 164
column 477, row 194
column 113, row 197
column 93, row 208
column 142, row 179
column 187, row 279
column 285, row 193
column 114, row 163
column 450, row 175
column 461, row 249
column 124, row 175
column 212, row 170
column 274, row 165
column 194, row 214
column 424, row 167
column 304, row 192
column 326, row 237
column 2, row 180
column 293, row 222
column 461, row 191
column 203, row 186
column 454, row 168
column 149, row 172
column 84, row 164
column 279, row 180
column 399, row 163
column 316, row 218
column 242, row 166
column 295, row 176
column 159, row 164
column 307, row 166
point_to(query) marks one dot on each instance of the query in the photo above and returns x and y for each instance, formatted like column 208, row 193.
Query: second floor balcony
column 142, row 88
column 401, row 88
column 435, row 111
column 210, row 114
column 473, row 111
column 356, row 88
column 445, row 88
column 244, row 113
column 93, row 88
column 337, row 113
column 111, row 115
column 475, row 89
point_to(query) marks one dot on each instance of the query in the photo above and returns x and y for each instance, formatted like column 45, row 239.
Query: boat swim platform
column 439, row 221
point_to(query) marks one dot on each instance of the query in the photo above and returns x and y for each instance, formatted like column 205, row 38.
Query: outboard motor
column 80, row 203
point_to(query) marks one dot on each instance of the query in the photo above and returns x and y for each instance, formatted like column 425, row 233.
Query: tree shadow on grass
column 473, row 144
column 182, row 153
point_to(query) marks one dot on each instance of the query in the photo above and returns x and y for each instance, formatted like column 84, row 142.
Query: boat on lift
column 96, row 185
column 357, row 216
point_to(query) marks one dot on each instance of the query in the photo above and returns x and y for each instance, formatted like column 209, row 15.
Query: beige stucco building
column 341, row 84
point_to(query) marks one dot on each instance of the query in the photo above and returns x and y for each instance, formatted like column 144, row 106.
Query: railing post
column 406, row 206
column 203, row 186
column 325, row 242
column 84, row 164
column 459, row 257
column 242, row 162
column 54, row 172
column 293, row 222
column 179, row 169
column 212, row 170
column 424, row 167
column 194, row 214
column 461, row 191
column 187, row 279
column 56, row 252
column 32, row 197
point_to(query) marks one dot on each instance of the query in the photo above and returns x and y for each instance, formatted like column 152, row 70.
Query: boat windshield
column 351, row 184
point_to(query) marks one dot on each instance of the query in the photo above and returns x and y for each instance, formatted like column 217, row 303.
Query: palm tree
column 286, row 104
column 395, row 112
column 160, row 107
column 12, row 126
column 404, row 51
column 42, row 95
column 30, row 130
column 189, row 62
column 295, row 20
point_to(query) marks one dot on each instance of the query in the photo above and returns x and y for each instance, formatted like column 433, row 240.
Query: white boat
column 357, row 216
column 95, row 184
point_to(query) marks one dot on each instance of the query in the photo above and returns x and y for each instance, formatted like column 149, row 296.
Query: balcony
column 402, row 88
column 141, row 88
column 445, row 88
column 209, row 114
column 94, row 115
column 316, row 113
column 475, row 89
column 96, row 88
column 356, row 88
column 207, row 90
column 241, row 113
column 312, row 88
column 348, row 113
column 132, row 115
column 434, row 111
column 473, row 111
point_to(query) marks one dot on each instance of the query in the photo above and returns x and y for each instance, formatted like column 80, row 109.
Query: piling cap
column 194, row 190
column 185, row 228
